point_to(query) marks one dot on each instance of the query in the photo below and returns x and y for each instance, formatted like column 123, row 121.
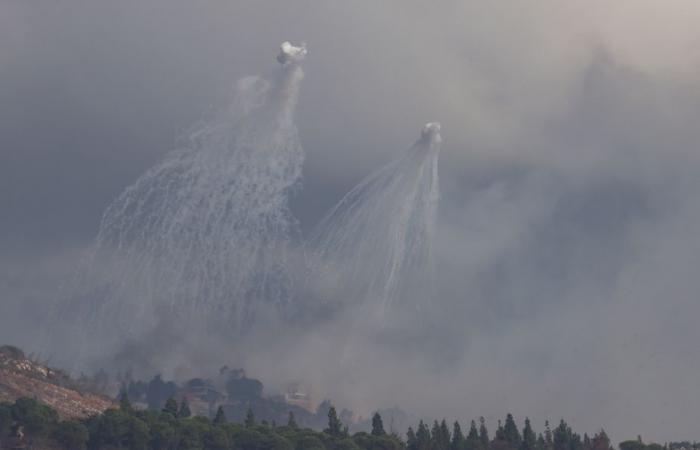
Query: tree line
column 30, row 423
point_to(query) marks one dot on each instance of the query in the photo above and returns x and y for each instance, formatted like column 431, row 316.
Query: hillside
column 22, row 377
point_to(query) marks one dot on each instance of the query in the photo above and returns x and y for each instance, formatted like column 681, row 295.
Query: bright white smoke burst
column 203, row 237
column 374, row 248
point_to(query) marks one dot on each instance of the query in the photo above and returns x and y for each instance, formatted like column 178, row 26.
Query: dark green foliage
column 191, row 433
column 124, row 403
column 435, row 436
column 363, row 440
column 529, row 441
column 441, row 436
column 249, row 418
column 458, row 440
column 220, row 417
column 216, row 438
column 171, row 407
column 163, row 434
column 500, row 432
column 36, row 418
column 423, row 437
column 601, row 441
column 511, row 433
column 562, row 436
column 72, row 434
column 292, row 423
column 548, row 440
column 184, row 410
column 473, row 432
column 307, row 440
column 564, row 439
column 483, row 433
column 411, row 440
column 127, row 428
column 377, row 425
column 5, row 418
column 118, row 428
column 632, row 445
column 335, row 427
column 473, row 441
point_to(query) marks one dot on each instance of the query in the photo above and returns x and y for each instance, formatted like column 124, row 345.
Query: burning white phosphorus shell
column 290, row 53
column 431, row 133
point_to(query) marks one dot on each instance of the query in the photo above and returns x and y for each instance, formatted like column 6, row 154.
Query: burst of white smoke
column 374, row 248
column 291, row 54
column 201, row 239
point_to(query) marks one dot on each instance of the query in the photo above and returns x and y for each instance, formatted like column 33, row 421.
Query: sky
column 569, row 223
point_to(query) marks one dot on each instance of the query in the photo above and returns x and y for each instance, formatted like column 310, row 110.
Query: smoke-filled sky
column 568, row 244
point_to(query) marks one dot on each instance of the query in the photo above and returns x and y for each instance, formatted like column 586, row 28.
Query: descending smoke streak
column 374, row 246
column 203, row 236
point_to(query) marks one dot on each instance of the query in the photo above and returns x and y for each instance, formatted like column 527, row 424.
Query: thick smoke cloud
column 568, row 242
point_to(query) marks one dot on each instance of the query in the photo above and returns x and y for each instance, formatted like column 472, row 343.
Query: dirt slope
column 21, row 377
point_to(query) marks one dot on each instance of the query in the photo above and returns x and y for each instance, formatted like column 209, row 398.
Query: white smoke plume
column 203, row 237
column 374, row 248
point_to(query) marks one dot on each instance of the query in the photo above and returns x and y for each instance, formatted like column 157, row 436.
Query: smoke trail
column 374, row 248
column 202, row 238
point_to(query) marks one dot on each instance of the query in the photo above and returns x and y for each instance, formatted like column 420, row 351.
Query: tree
column 632, row 445
column 435, row 437
column 37, row 419
column 5, row 418
column 483, row 433
column 249, row 418
column 601, row 441
column 72, row 434
column 575, row 442
column 117, row 429
column 444, row 435
column 377, row 425
column 411, row 440
column 184, row 411
column 529, row 440
column 500, row 432
column 562, row 437
column 292, row 423
column 335, row 427
column 548, row 440
column 216, row 438
column 457, row 437
column 171, row 407
column 124, row 403
column 472, row 442
column 473, row 432
column 511, row 433
column 220, row 417
column 423, row 436
column 163, row 436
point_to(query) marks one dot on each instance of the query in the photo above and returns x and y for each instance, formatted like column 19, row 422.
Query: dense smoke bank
column 566, row 242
